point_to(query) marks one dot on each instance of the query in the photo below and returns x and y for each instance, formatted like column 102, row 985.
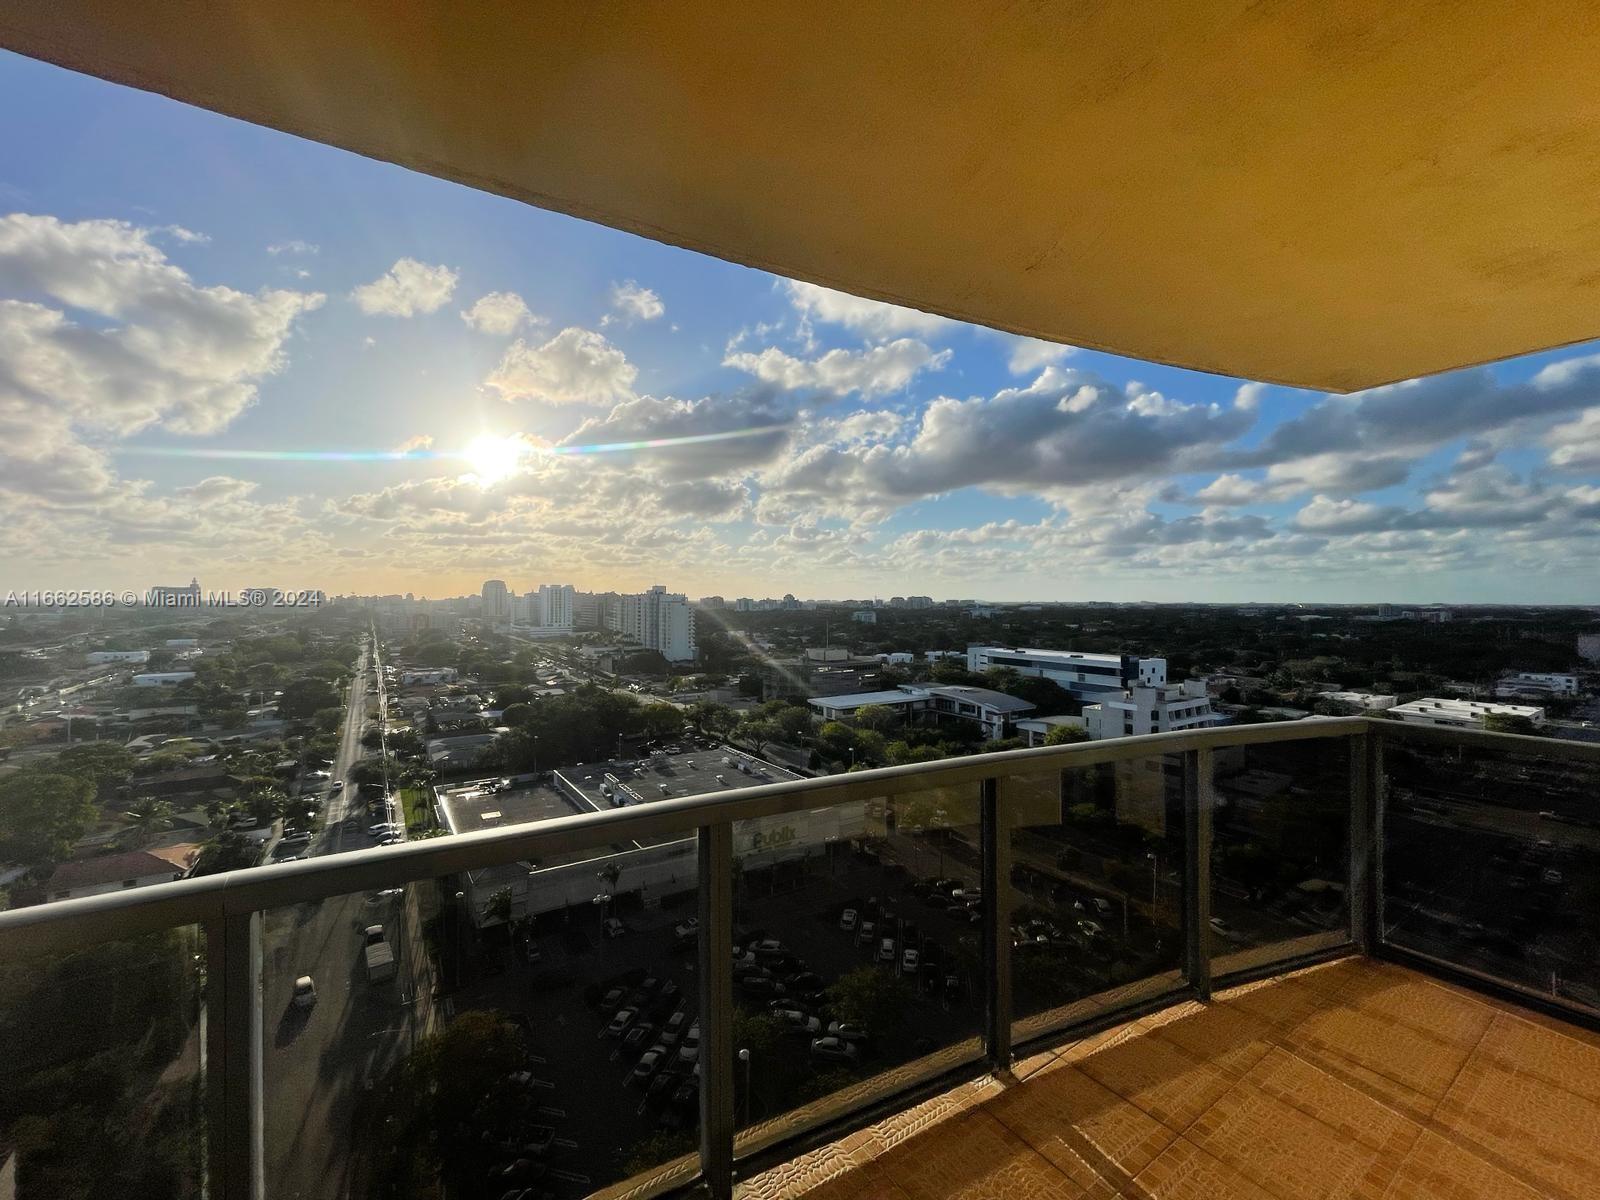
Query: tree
column 871, row 998
column 498, row 906
column 148, row 815
column 228, row 851
column 1065, row 735
column 305, row 696
column 1510, row 723
column 42, row 814
column 879, row 718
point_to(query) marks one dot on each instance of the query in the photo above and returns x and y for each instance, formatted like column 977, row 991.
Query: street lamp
column 744, row 1057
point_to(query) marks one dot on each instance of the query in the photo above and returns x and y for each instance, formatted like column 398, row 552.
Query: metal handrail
column 230, row 906
column 67, row 924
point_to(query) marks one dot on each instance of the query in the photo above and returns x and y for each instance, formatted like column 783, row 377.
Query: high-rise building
column 555, row 606
column 657, row 620
column 496, row 602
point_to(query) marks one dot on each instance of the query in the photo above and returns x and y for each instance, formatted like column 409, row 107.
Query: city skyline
column 275, row 363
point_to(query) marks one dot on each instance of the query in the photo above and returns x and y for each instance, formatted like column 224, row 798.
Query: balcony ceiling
column 1326, row 195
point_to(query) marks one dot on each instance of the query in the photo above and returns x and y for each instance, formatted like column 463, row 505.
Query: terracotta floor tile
column 1564, row 1061
column 1082, row 1127
column 1221, row 1033
column 1425, row 1006
column 1283, row 1003
column 1525, row 1125
column 974, row 1157
column 1420, row 1060
column 1301, row 1134
column 1186, row 1172
column 1440, row 1169
column 1163, row 1079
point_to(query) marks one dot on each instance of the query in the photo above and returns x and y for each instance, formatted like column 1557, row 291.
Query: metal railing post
column 1197, row 811
column 715, row 853
column 233, row 1057
column 995, row 841
column 1376, row 789
column 1361, row 844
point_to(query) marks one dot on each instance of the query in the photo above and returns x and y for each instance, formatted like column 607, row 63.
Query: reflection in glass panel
column 101, row 1091
column 1492, row 862
column 484, row 1030
column 1280, row 851
column 1097, row 888
column 856, row 954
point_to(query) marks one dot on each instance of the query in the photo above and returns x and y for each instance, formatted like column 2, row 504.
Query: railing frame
column 228, row 908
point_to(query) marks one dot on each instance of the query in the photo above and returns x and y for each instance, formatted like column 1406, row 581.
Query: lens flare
column 493, row 457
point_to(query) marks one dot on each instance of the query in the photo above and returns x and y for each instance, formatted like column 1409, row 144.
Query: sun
column 494, row 457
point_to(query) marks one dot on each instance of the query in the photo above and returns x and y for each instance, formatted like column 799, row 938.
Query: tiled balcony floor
column 1353, row 1079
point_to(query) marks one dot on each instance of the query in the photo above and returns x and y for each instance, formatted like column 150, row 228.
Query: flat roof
column 692, row 773
column 468, row 808
column 856, row 699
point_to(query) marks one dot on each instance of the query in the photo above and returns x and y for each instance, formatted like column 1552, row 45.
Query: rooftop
column 1353, row 1079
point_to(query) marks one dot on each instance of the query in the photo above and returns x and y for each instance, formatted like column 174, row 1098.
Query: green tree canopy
column 42, row 814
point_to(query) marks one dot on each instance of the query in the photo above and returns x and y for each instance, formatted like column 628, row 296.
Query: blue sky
column 188, row 303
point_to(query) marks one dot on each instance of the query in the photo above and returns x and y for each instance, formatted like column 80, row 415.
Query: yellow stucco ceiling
column 1332, row 195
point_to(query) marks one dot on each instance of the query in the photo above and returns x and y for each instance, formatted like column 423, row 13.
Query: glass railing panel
column 1096, row 889
column 1491, row 862
column 849, row 985
column 1280, row 852
column 495, row 1044
column 101, row 1084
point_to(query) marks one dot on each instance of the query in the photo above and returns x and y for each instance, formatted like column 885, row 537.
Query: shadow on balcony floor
column 1353, row 1079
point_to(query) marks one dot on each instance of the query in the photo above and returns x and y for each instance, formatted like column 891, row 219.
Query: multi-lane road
column 317, row 1062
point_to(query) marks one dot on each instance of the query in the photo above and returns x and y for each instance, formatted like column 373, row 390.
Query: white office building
column 1086, row 676
column 1461, row 714
column 1367, row 700
column 1537, row 683
column 657, row 620
column 994, row 712
column 1151, row 709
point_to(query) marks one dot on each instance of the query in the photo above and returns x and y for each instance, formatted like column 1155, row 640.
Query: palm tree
column 148, row 815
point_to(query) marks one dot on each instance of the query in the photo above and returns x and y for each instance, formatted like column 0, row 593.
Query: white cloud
column 1575, row 445
column 631, row 301
column 187, row 236
column 499, row 313
column 293, row 246
column 1030, row 354
column 577, row 366
column 876, row 371
column 407, row 289
column 871, row 318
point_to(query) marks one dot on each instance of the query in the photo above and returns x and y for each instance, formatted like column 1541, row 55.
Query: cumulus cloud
column 876, row 371
column 871, row 318
column 1031, row 354
column 498, row 313
column 716, row 435
column 577, row 366
column 631, row 301
column 407, row 289
column 1336, row 474
column 136, row 343
column 1575, row 445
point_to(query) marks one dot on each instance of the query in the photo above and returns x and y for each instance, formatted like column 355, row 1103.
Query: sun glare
column 494, row 457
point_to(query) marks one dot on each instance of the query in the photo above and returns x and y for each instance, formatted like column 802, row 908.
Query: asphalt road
column 317, row 1061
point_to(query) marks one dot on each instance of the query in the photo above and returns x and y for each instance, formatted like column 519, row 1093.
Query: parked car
column 673, row 1029
column 844, row 1031
column 1218, row 926
column 611, row 1001
column 886, row 950
column 908, row 962
column 688, row 928
column 305, row 992
column 834, row 1050
column 847, row 920
column 619, row 1022
column 638, row 1037
column 649, row 1062
column 864, row 935
column 613, row 928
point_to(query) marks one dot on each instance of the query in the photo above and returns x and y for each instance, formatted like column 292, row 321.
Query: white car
column 834, row 1049
column 847, row 920
column 886, row 950
column 908, row 962
column 305, row 992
